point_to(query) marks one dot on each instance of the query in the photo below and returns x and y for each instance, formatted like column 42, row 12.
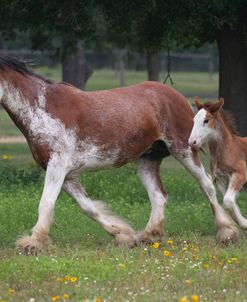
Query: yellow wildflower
column 60, row 279
column 11, row 290
column 184, row 299
column 195, row 298
column 65, row 296
column 206, row 266
column 7, row 157
column 185, row 247
column 122, row 265
column 55, row 298
column 188, row 282
column 73, row 279
column 98, row 300
column 166, row 253
column 155, row 245
column 170, row 242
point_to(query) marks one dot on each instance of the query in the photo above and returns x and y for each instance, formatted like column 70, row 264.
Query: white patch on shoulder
column 44, row 129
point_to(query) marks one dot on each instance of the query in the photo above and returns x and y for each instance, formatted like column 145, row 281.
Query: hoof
column 31, row 245
column 226, row 235
column 126, row 239
column 149, row 237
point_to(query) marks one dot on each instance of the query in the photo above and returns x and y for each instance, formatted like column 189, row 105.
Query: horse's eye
column 205, row 121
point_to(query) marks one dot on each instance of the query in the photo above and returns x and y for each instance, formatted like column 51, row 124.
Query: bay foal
column 228, row 152
column 70, row 131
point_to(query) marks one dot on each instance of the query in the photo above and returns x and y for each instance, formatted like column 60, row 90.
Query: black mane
column 20, row 67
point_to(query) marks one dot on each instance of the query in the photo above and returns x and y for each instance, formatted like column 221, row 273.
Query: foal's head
column 204, row 122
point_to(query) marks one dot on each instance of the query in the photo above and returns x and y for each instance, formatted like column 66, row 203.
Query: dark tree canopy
column 150, row 24
column 46, row 20
column 186, row 22
column 146, row 25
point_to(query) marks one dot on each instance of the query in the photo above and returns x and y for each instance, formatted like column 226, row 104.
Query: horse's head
column 204, row 122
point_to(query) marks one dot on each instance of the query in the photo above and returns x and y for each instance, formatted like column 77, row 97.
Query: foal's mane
column 227, row 117
column 229, row 121
column 20, row 67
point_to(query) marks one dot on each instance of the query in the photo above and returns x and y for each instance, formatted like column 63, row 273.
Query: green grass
column 82, row 249
column 188, row 83
column 7, row 126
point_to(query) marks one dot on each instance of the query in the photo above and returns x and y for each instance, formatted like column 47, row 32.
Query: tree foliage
column 139, row 24
column 148, row 24
column 44, row 21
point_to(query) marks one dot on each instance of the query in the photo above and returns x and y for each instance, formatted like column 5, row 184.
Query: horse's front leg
column 39, row 238
column 148, row 171
column 226, row 229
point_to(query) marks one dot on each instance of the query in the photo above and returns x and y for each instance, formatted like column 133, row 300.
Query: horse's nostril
column 194, row 142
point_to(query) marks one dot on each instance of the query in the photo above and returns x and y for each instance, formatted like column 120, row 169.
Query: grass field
column 189, row 83
column 84, row 265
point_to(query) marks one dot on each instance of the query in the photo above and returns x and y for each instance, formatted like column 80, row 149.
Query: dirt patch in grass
column 12, row 140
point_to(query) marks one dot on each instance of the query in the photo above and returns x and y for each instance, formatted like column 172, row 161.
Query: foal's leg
column 236, row 182
column 119, row 229
column 148, row 172
column 226, row 229
column 54, row 179
column 221, row 186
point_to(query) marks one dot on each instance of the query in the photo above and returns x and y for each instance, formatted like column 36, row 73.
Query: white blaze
column 201, row 132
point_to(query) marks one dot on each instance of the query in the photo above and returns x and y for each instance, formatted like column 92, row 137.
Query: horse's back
column 129, row 118
column 147, row 96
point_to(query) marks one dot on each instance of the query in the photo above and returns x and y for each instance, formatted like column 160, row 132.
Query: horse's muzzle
column 194, row 144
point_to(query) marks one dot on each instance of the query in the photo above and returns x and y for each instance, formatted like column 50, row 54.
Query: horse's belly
column 95, row 158
column 94, row 163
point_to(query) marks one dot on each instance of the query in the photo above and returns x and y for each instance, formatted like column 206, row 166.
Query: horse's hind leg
column 54, row 178
column 148, row 171
column 226, row 229
column 236, row 182
column 123, row 234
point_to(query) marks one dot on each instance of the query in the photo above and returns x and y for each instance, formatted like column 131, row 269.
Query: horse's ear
column 217, row 106
column 198, row 103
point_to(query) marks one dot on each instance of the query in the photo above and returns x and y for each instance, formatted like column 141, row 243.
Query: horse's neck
column 218, row 145
column 243, row 145
column 21, row 100
column 21, row 93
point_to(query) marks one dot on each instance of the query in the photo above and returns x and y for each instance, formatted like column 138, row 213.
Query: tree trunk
column 120, row 70
column 153, row 66
column 233, row 74
column 75, row 69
